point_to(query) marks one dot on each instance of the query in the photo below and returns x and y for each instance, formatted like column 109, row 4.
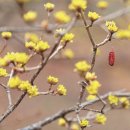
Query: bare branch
column 113, row 15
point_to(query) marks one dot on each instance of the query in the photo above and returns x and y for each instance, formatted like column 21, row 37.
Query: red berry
column 111, row 58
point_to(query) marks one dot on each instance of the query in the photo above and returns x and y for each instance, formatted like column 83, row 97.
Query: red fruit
column 111, row 58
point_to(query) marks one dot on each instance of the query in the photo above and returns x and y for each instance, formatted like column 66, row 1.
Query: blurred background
column 111, row 77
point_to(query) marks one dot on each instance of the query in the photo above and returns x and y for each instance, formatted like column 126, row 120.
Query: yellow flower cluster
column 6, row 35
column 93, row 16
column 78, row 5
column 61, row 122
column 82, row 66
column 111, row 26
column 16, row 82
column 93, row 87
column 84, row 123
column 125, row 102
column 52, row 80
column 61, row 90
column 24, row 85
column 101, row 119
column 18, row 59
column 62, row 17
column 39, row 46
column 3, row 62
column 49, row 7
column 113, row 100
column 32, row 91
column 3, row 72
column 68, row 37
column 68, row 53
column 74, row 126
column 90, row 76
column 91, row 97
column 102, row 4
column 123, row 34
column 31, row 37
column 30, row 16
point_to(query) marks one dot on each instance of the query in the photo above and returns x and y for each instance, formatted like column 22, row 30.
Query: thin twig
column 107, row 39
column 8, row 89
column 11, row 109
column 113, row 15
column 87, row 28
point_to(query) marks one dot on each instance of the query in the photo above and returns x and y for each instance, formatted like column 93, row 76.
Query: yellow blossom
column 31, row 37
column 74, row 126
column 10, row 57
column 24, row 85
column 30, row 16
column 68, row 53
column 90, row 76
column 111, row 26
column 3, row 72
column 101, row 118
column 125, row 102
column 93, row 87
column 18, row 57
column 14, row 82
column 61, row 90
column 95, row 83
column 42, row 46
column 52, row 80
column 92, row 90
column 91, row 97
column 61, row 122
column 78, row 5
column 68, row 37
column 49, row 6
column 84, row 123
column 102, row 4
column 30, row 45
column 32, row 91
column 3, row 62
column 82, row 66
column 123, row 34
column 113, row 100
column 21, row 58
column 93, row 16
column 62, row 17
column 6, row 35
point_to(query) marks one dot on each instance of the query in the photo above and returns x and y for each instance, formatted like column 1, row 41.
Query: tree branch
column 48, row 120
column 13, row 107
